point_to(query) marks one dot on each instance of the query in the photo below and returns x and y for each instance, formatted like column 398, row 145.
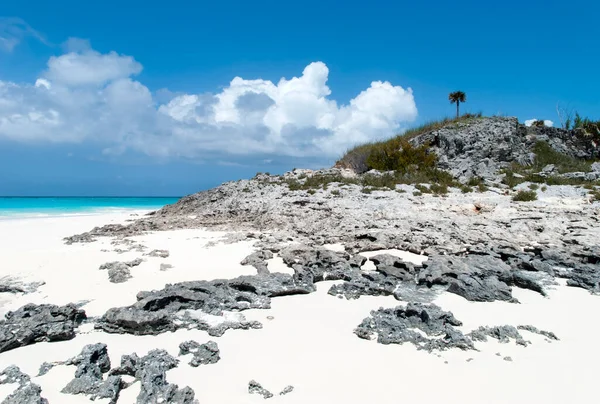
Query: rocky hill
column 481, row 147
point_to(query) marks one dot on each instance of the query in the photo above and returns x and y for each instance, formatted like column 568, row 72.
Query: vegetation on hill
column 386, row 155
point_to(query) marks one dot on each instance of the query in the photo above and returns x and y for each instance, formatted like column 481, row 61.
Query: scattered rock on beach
column 204, row 354
column 26, row 392
column 39, row 323
column 426, row 326
column 153, row 312
column 255, row 387
column 92, row 363
column 118, row 272
column 286, row 390
column 12, row 285
column 165, row 267
column 158, row 253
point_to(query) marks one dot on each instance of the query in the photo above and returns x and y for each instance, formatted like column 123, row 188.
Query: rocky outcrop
column 39, row 323
column 153, row 312
column 480, row 147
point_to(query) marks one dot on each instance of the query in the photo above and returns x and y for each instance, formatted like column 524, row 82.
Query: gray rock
column 45, row 367
column 158, row 253
column 39, row 323
column 11, row 285
column 204, row 354
column 152, row 313
column 255, row 387
column 286, row 390
column 426, row 326
column 92, row 363
column 390, row 265
column 151, row 370
column 258, row 260
column 165, row 267
column 26, row 393
column 535, row 330
column 502, row 333
column 118, row 272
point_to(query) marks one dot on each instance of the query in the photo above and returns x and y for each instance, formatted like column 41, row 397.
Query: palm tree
column 456, row 98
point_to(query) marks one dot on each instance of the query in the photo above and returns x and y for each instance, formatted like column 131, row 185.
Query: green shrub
column 399, row 155
column 482, row 188
column 417, row 193
column 423, row 189
column 465, row 189
column 524, row 196
column 335, row 192
column 544, row 188
column 311, row 192
column 438, row 189
column 357, row 158
column 533, row 187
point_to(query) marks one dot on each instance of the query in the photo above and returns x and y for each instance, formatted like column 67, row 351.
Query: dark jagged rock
column 476, row 289
column 286, row 390
column 255, row 387
column 26, row 393
column 45, row 368
column 503, row 333
column 258, row 260
column 535, row 330
column 204, row 354
column 480, row 278
column 39, row 323
column 369, row 284
column 319, row 264
column 400, row 325
column 152, row 313
column 92, row 363
column 151, row 370
column 396, row 267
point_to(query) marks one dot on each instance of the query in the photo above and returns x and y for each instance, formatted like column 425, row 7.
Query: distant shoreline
column 12, row 207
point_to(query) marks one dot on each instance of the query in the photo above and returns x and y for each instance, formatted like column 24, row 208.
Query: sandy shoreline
column 308, row 343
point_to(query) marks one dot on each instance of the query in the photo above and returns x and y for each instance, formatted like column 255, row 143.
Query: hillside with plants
column 473, row 149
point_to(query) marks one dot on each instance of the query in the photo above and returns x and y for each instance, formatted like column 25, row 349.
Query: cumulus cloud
column 14, row 30
column 547, row 122
column 84, row 95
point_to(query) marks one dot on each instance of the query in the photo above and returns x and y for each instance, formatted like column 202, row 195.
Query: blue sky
column 137, row 98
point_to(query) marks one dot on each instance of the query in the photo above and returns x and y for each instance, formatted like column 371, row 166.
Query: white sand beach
column 307, row 341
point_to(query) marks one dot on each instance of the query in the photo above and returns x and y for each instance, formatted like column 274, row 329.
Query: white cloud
column 547, row 122
column 88, row 96
column 14, row 30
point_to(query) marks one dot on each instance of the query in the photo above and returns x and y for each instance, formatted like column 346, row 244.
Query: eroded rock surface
column 39, row 323
column 204, row 354
column 26, row 392
column 92, row 363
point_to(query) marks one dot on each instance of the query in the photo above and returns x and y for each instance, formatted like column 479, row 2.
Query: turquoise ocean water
column 45, row 206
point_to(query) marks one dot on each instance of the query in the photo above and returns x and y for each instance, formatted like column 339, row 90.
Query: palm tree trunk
column 457, row 103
